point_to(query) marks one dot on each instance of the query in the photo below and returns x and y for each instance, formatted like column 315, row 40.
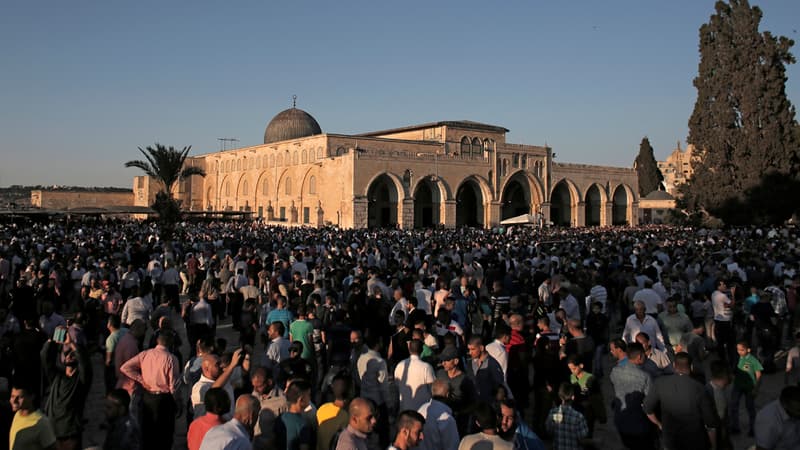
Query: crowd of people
column 399, row 339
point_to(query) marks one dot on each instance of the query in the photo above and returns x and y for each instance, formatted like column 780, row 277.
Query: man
column 681, row 408
column 115, row 333
column 68, row 371
column 280, row 314
column 676, row 323
column 362, row 421
column 413, row 377
column 462, row 394
column 659, row 357
column 631, row 385
column 127, row 348
column 373, row 378
column 440, row 430
column 291, row 430
column 400, row 304
column 214, row 377
column 497, row 348
column 278, row 347
column 514, row 429
column 157, row 371
column 721, row 301
column 640, row 321
column 778, row 422
column 409, row 431
column 272, row 399
column 30, row 429
column 237, row 432
column 483, row 370
column 216, row 403
column 123, row 430
column 487, row 438
column 136, row 308
column 650, row 298
column 301, row 330
column 567, row 425
column 332, row 416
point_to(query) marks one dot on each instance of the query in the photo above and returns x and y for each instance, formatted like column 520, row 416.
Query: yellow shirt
column 31, row 432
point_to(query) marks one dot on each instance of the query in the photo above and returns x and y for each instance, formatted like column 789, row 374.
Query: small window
column 515, row 160
column 288, row 186
column 282, row 214
column 312, row 185
column 465, row 147
column 294, row 158
column 265, row 187
column 477, row 148
column 244, row 187
column 305, row 157
column 306, row 214
column 227, row 188
column 524, row 162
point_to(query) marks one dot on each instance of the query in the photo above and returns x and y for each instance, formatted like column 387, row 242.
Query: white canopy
column 525, row 219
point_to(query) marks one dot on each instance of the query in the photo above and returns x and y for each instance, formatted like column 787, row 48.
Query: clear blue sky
column 84, row 83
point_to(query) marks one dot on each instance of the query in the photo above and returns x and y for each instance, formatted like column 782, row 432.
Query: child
column 589, row 399
column 748, row 374
column 567, row 425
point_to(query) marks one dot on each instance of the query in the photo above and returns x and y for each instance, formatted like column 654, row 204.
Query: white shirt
column 440, row 431
column 136, row 308
column 200, row 313
column 424, row 300
column 413, row 377
column 650, row 298
column 399, row 305
column 497, row 350
column 634, row 326
column 718, row 301
column 597, row 294
column 231, row 435
column 570, row 306
column 374, row 377
column 199, row 394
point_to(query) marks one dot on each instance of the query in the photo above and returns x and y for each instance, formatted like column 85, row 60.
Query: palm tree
column 165, row 164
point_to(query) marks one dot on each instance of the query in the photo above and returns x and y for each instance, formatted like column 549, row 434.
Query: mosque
column 448, row 173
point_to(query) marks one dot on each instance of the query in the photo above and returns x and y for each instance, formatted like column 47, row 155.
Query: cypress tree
column 650, row 176
column 743, row 125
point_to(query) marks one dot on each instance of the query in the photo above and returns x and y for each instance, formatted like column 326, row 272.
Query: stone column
column 495, row 209
column 607, row 214
column 360, row 211
column 580, row 215
column 449, row 219
column 320, row 215
column 633, row 214
column 406, row 216
column 546, row 213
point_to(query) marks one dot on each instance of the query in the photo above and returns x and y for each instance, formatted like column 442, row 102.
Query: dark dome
column 292, row 123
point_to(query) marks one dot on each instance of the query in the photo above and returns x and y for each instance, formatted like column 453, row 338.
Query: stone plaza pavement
column 605, row 436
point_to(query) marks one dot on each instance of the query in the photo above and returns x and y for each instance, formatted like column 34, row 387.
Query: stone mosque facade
column 435, row 174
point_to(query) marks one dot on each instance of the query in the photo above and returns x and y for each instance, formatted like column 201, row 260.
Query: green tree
column 743, row 126
column 650, row 176
column 166, row 164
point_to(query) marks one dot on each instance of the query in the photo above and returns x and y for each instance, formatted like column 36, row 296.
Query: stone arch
column 564, row 200
column 240, row 199
column 384, row 196
column 477, row 148
column 210, row 199
column 472, row 197
column 622, row 205
column 466, row 147
column 429, row 193
column 261, row 191
column 595, row 199
column 521, row 193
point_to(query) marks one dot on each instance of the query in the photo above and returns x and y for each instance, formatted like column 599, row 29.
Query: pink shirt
column 155, row 369
column 198, row 429
column 126, row 348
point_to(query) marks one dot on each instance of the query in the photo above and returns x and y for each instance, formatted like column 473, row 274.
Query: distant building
column 677, row 168
column 655, row 207
column 447, row 173
column 66, row 199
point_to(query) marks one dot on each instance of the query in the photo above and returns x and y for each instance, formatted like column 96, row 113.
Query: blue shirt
column 280, row 315
column 231, row 435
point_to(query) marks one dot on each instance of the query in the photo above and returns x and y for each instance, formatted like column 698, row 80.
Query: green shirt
column 301, row 330
column 746, row 372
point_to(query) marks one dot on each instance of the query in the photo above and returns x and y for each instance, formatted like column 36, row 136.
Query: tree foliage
column 650, row 176
column 166, row 164
column 743, row 125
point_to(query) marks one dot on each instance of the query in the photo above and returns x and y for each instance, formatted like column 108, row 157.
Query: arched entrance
column 469, row 205
column 516, row 200
column 427, row 203
column 561, row 205
column 382, row 197
column 619, row 212
column 593, row 210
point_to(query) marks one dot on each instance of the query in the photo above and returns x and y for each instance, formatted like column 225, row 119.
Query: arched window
column 227, row 189
column 238, row 164
column 465, row 147
column 516, row 160
column 477, row 148
column 279, row 160
column 265, row 187
column 524, row 162
column 288, row 187
column 319, row 153
column 294, row 158
column 272, row 160
column 312, row 185
column 305, row 157
column 505, row 166
column 244, row 187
